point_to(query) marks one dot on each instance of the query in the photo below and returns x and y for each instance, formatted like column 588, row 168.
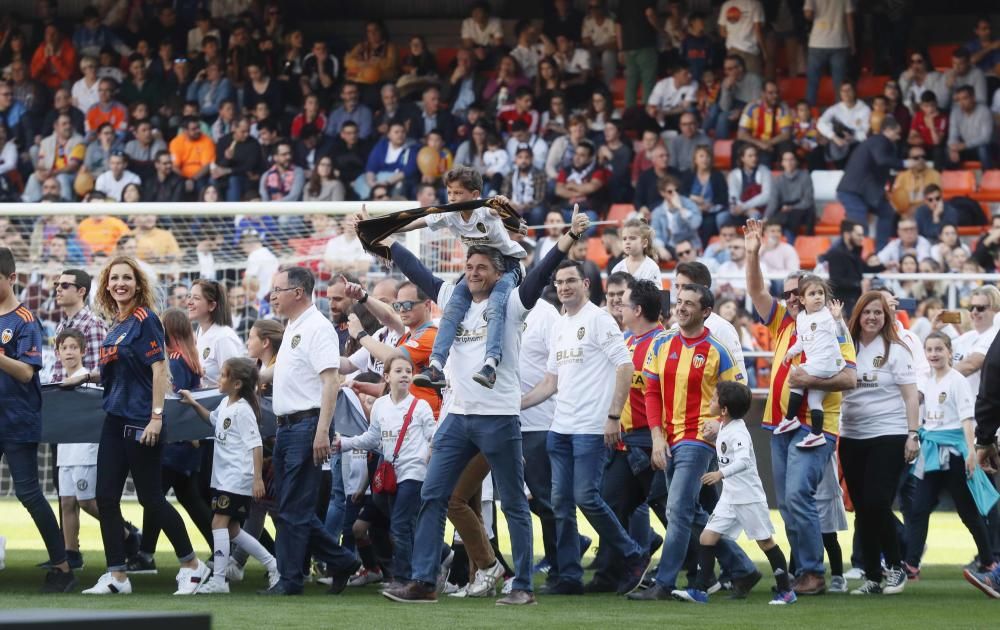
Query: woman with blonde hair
column 133, row 371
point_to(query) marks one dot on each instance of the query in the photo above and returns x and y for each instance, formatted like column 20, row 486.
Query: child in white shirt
column 479, row 227
column 639, row 260
column 742, row 507
column 236, row 469
column 402, row 427
column 817, row 334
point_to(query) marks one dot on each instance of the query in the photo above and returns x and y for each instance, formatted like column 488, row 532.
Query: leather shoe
column 653, row 593
column 277, row 589
column 810, row 584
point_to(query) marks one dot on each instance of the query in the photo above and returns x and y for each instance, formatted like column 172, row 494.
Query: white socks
column 252, row 546
column 490, row 361
column 220, row 557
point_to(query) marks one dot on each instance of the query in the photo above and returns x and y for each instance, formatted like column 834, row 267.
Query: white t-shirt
column 482, row 35
column 107, row 184
column 666, row 95
column 816, row 335
column 310, row 346
column 85, row 96
column 739, row 17
column 216, row 345
column 496, row 161
column 386, row 422
column 829, row 26
column 482, row 228
column 648, row 270
column 968, row 343
column 586, row 350
column 236, row 435
column 468, row 396
column 77, row 454
column 345, row 250
column 738, row 464
column 536, row 342
column 875, row 407
column 364, row 361
column 262, row 264
column 577, row 63
column 920, row 365
column 947, row 402
column 600, row 34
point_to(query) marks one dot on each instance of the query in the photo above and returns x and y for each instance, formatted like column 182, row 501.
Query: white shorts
column 78, row 481
column 753, row 518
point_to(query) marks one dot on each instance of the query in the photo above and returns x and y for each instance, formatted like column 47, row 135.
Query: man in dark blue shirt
column 21, row 419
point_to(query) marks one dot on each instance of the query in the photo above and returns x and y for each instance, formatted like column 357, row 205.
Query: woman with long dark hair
column 181, row 461
column 217, row 341
column 878, row 438
column 133, row 370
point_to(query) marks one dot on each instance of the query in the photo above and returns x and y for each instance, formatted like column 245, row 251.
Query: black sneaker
column 655, row 544
column 339, row 579
column 140, row 565
column 599, row 586
column 486, row 376
column 133, row 541
column 742, row 586
column 635, row 571
column 57, row 581
column 75, row 560
column 430, row 376
column 565, row 588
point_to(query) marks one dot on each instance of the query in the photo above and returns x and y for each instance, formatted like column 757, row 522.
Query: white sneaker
column 457, row 591
column 234, row 572
column 190, row 580
column 485, row 584
column 812, row 441
column 895, row 581
column 787, row 425
column 214, row 586
column 508, row 586
column 3, row 553
column 108, row 585
column 364, row 577
column 326, row 581
column 272, row 577
column 838, row 584
column 855, row 574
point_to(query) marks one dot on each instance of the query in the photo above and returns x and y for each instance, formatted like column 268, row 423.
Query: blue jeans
column 856, row 209
column 300, row 531
column 22, row 460
column 538, row 478
column 719, row 120
column 496, row 314
column 797, row 473
column 816, row 63
column 235, row 185
column 577, row 470
column 403, row 507
column 686, row 517
column 458, row 439
column 337, row 508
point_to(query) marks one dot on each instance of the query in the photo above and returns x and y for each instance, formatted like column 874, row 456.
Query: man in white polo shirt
column 306, row 381
column 589, row 360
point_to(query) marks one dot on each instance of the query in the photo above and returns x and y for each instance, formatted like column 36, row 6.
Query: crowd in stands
column 693, row 120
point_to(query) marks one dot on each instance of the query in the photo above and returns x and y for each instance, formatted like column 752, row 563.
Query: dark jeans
column 22, row 459
column 538, row 478
column 856, row 209
column 186, row 490
column 300, row 531
column 403, row 507
column 624, row 491
column 872, row 468
column 928, row 490
column 116, row 458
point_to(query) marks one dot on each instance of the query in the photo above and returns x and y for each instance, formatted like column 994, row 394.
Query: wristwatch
column 573, row 236
column 364, row 298
column 158, row 411
column 362, row 334
column 612, row 416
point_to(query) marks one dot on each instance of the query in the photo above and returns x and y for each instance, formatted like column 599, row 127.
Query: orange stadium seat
column 620, row 212
column 829, row 221
column 955, row 183
column 989, row 187
column 868, row 248
column 941, row 55
column 596, row 252
column 871, row 86
column 444, row 58
column 722, row 151
column 809, row 248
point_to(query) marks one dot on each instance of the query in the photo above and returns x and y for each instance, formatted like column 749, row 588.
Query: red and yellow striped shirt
column 634, row 412
column 781, row 325
column 681, row 374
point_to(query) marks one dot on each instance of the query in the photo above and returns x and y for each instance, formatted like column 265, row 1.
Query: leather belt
column 295, row 418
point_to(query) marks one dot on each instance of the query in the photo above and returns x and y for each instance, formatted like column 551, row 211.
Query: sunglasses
column 686, row 252
column 787, row 295
column 405, row 306
column 66, row 286
column 978, row 308
column 934, row 199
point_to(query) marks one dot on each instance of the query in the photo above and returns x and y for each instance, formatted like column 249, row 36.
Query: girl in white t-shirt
column 817, row 328
column 236, row 470
column 402, row 427
column 947, row 456
column 640, row 254
column 217, row 341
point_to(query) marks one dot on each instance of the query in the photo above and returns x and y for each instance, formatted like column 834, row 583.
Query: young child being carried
column 483, row 227
column 742, row 507
column 817, row 329
column 236, row 469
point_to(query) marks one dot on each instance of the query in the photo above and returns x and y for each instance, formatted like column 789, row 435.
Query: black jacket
column 988, row 400
column 846, row 269
column 445, row 126
column 867, row 170
column 170, row 189
column 720, row 187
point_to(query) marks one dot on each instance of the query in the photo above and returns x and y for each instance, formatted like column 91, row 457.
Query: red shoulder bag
column 384, row 481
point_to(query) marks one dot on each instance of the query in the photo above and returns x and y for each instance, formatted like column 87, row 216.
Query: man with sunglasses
column 935, row 213
column 72, row 289
column 909, row 186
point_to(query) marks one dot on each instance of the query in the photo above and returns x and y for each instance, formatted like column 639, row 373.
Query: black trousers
column 186, row 489
column 116, row 458
column 872, row 468
column 926, row 498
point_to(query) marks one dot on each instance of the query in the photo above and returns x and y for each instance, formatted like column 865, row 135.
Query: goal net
column 237, row 244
